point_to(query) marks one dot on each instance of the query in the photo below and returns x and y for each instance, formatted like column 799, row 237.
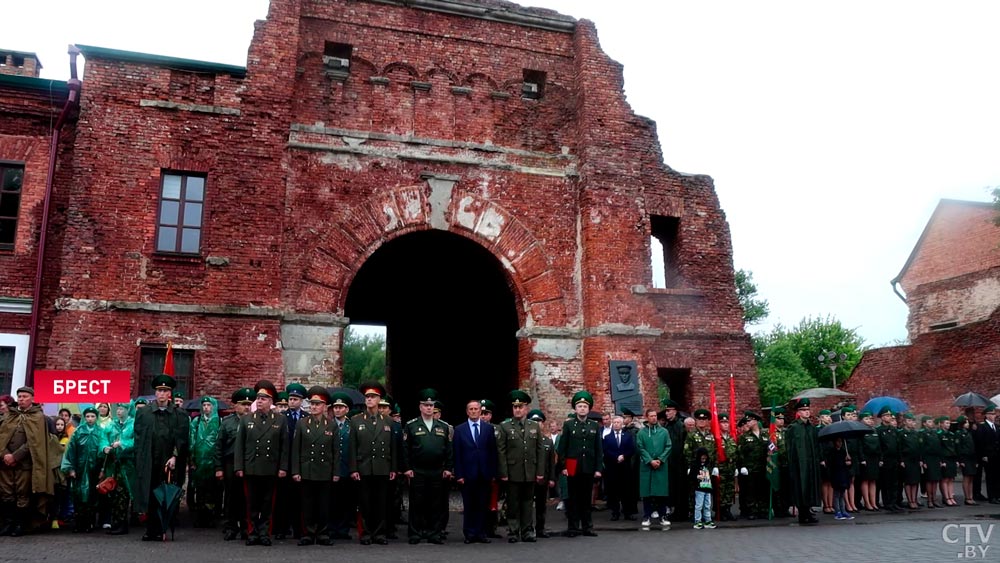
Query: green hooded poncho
column 121, row 460
column 203, row 438
column 82, row 457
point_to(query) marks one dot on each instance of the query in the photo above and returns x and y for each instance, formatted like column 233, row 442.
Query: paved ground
column 925, row 535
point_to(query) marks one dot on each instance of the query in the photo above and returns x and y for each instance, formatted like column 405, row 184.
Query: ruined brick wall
column 309, row 173
column 934, row 369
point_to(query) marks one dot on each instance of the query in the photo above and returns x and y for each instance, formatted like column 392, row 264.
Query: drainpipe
column 72, row 101
column 895, row 289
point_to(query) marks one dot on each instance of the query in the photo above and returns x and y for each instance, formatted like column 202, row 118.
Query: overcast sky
column 831, row 129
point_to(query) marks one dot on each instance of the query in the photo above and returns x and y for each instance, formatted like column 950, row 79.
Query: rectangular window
column 6, row 368
column 11, row 178
column 182, row 199
column 151, row 363
column 666, row 232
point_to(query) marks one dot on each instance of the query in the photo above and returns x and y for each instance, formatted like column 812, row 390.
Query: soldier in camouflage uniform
column 701, row 438
column 752, row 455
column 727, row 472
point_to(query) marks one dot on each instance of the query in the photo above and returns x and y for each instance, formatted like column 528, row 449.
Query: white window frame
column 19, row 342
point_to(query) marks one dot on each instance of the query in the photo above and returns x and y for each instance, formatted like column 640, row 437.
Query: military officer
column 521, row 465
column 261, row 458
column 702, row 436
column 233, row 501
column 389, row 408
column 752, row 458
column 344, row 498
column 315, row 454
column 581, row 460
column 428, row 462
column 676, row 464
column 373, row 462
column 889, row 446
column 727, row 471
column 549, row 472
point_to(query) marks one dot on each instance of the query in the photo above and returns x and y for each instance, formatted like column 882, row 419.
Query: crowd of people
column 313, row 466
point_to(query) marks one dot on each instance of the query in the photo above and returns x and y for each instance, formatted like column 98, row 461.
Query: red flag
column 716, row 429
column 168, row 362
column 733, row 427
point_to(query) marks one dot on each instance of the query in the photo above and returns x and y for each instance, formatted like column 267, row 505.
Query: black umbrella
column 844, row 429
column 168, row 500
column 356, row 397
column 971, row 399
column 195, row 405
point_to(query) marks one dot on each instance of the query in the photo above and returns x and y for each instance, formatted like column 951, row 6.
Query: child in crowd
column 80, row 464
column 700, row 474
column 838, row 465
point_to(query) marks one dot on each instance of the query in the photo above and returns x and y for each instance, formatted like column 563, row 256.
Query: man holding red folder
column 581, row 459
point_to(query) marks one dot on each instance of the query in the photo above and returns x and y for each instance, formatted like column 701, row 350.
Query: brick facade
column 952, row 286
column 311, row 171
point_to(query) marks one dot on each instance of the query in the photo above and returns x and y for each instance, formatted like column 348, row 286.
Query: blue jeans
column 703, row 506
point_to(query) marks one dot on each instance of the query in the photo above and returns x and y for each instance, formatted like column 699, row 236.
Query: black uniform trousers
column 315, row 508
column 288, row 508
column 578, row 507
column 520, row 512
column 343, row 507
column 428, row 505
column 153, row 525
column 888, row 481
column 372, row 497
column 259, row 490
column 541, row 504
column 234, row 504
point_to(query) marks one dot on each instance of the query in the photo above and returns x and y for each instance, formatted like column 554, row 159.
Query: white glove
column 743, row 471
column 715, row 472
column 736, row 473
column 689, row 470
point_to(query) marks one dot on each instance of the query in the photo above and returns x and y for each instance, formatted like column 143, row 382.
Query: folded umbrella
column 168, row 500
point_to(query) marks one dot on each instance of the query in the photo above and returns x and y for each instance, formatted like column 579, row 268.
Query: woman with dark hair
column 965, row 454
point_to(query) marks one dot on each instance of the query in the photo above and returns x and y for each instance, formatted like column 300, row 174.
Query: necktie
column 475, row 433
column 618, row 438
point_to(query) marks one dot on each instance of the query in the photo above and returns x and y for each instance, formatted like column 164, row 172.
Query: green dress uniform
column 550, row 477
column 233, row 498
column 889, row 472
column 932, row 453
column 581, row 454
column 428, row 453
column 727, row 478
column 374, row 456
column 910, row 444
column 949, row 444
column 261, row 451
column 803, row 466
column 965, row 449
column 752, row 452
column 521, row 461
column 315, row 455
column 871, row 455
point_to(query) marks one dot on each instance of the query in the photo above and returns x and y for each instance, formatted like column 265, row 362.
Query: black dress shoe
column 324, row 541
column 391, row 537
column 469, row 540
column 543, row 535
column 230, row 535
column 365, row 542
column 265, row 541
column 809, row 521
column 147, row 537
column 414, row 541
column 306, row 541
column 528, row 539
column 630, row 517
column 382, row 541
column 484, row 540
column 572, row 533
column 512, row 539
column 436, row 541
column 590, row 533
column 279, row 537
column 118, row 531
column 614, row 517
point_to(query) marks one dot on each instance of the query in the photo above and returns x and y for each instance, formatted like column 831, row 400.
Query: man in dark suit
column 988, row 449
column 475, row 469
column 619, row 454
column 374, row 462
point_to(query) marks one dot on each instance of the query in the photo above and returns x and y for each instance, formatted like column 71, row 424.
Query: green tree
column 363, row 358
column 755, row 309
column 996, row 206
column 780, row 374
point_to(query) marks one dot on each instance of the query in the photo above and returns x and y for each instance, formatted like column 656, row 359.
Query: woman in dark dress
column 871, row 455
column 949, row 460
column 932, row 455
column 965, row 452
column 910, row 454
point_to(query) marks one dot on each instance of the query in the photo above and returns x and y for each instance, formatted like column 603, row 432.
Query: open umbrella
column 971, row 399
column 875, row 404
column 844, row 429
column 356, row 397
column 195, row 405
column 821, row 392
column 168, row 500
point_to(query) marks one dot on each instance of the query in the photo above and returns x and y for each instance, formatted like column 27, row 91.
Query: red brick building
column 951, row 284
column 467, row 173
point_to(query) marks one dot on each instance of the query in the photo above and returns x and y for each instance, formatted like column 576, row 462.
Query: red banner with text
column 82, row 386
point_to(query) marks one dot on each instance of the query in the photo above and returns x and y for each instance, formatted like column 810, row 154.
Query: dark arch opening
column 450, row 317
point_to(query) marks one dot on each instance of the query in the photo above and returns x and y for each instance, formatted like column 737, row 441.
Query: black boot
column 726, row 514
column 20, row 524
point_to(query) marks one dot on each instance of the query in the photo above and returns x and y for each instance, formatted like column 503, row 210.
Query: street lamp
column 833, row 361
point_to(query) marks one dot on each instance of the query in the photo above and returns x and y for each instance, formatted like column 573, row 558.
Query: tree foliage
column 755, row 309
column 996, row 206
column 788, row 359
column 363, row 358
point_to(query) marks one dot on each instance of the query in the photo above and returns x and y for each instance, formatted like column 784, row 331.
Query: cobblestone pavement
column 967, row 532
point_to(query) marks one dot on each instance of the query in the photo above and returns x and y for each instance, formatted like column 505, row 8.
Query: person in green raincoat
column 117, row 453
column 80, row 463
column 203, row 438
column 804, row 458
column 654, row 446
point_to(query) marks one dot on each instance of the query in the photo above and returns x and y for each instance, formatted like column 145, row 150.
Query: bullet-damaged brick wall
column 309, row 173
